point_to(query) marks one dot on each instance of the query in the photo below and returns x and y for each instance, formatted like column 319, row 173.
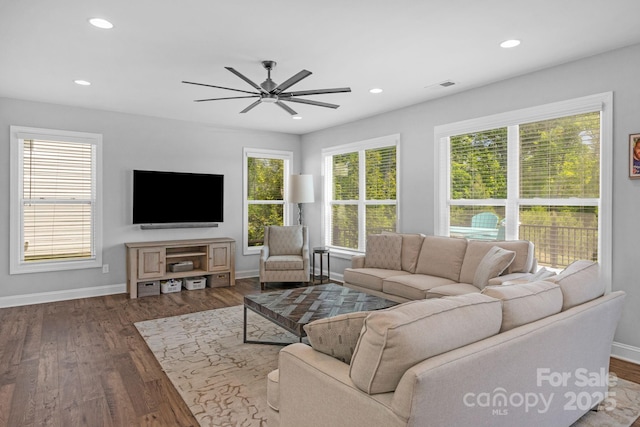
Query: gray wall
column 613, row 71
column 133, row 142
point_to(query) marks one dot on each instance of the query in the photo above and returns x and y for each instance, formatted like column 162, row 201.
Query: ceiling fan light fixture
column 269, row 99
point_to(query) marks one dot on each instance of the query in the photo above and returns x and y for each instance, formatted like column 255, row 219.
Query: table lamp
column 300, row 191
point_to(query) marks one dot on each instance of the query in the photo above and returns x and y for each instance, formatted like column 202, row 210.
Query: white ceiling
column 402, row 46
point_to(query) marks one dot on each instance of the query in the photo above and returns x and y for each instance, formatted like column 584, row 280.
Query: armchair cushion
column 285, row 240
column 284, row 262
column 384, row 251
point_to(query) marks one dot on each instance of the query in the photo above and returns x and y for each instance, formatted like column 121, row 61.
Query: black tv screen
column 176, row 197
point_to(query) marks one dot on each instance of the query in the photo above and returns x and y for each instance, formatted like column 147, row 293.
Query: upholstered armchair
column 285, row 255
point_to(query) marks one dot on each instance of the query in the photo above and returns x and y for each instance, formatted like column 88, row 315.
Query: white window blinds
column 362, row 192
column 58, row 199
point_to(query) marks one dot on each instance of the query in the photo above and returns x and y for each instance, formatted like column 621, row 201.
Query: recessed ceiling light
column 101, row 23
column 296, row 117
column 82, row 82
column 375, row 90
column 509, row 43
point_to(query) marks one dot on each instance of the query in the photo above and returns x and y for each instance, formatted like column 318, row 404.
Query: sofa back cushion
column 495, row 261
column 395, row 339
column 285, row 240
column 580, row 282
column 383, row 251
column 411, row 244
column 442, row 257
column 476, row 250
column 527, row 302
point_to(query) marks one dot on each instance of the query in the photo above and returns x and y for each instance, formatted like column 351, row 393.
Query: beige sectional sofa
column 528, row 354
column 405, row 267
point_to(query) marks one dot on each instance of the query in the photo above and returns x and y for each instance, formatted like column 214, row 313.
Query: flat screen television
column 177, row 197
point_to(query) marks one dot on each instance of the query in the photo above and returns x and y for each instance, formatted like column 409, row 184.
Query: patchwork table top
column 294, row 308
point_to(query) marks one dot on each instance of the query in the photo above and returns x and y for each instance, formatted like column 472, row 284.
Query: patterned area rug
column 223, row 381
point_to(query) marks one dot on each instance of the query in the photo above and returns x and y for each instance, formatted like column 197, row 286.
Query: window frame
column 16, row 235
column 263, row 153
column 327, row 172
column 602, row 102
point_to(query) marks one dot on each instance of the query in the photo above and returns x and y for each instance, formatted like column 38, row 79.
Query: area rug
column 223, row 381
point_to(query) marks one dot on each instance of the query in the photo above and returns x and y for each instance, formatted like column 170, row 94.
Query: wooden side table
column 321, row 251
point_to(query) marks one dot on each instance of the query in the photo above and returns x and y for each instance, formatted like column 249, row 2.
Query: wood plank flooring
column 83, row 363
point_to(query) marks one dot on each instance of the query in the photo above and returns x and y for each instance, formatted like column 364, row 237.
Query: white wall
column 613, row 71
column 133, row 142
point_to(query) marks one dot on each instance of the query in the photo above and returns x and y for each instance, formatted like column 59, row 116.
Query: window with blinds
column 362, row 192
column 56, row 199
column 535, row 180
column 265, row 174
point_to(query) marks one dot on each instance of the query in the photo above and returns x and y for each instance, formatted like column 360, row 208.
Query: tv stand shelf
column 149, row 261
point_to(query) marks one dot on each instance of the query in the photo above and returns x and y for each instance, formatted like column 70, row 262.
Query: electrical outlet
column 105, row 268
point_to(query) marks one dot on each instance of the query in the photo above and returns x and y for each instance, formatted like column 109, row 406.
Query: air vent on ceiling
column 446, row 83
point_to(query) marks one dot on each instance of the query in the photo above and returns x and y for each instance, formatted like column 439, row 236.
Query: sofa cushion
column 284, row 262
column 476, row 250
column 452, row 289
column 273, row 389
column 370, row 278
column 395, row 339
column 411, row 244
column 495, row 261
column 336, row 336
column 412, row 286
column 580, row 282
column 527, row 302
column 384, row 251
column 285, row 240
column 441, row 256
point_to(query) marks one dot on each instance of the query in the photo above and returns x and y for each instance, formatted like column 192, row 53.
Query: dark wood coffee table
column 292, row 309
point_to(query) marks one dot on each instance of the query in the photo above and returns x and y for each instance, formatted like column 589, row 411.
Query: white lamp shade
column 300, row 189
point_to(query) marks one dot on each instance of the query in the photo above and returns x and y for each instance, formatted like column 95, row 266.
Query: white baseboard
column 247, row 273
column 42, row 297
column 625, row 352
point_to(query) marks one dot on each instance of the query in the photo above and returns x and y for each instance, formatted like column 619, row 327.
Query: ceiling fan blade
column 293, row 80
column 246, row 79
column 231, row 97
column 251, row 106
column 286, row 108
column 218, row 87
column 310, row 102
column 317, row 91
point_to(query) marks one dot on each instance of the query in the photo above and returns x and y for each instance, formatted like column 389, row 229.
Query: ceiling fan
column 270, row 92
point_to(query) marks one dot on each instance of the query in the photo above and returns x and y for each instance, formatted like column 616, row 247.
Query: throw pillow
column 395, row 339
column 384, row 251
column 580, row 282
column 336, row 336
column 492, row 265
column 411, row 244
column 526, row 302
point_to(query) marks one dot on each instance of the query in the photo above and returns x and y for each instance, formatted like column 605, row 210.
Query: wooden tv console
column 212, row 258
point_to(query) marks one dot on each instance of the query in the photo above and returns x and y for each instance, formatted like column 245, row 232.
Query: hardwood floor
column 83, row 363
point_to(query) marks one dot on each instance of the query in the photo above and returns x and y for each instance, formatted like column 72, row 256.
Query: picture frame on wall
column 634, row 155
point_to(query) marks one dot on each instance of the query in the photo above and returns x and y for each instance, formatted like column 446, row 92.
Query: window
column 265, row 176
column 540, row 174
column 55, row 200
column 360, row 192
